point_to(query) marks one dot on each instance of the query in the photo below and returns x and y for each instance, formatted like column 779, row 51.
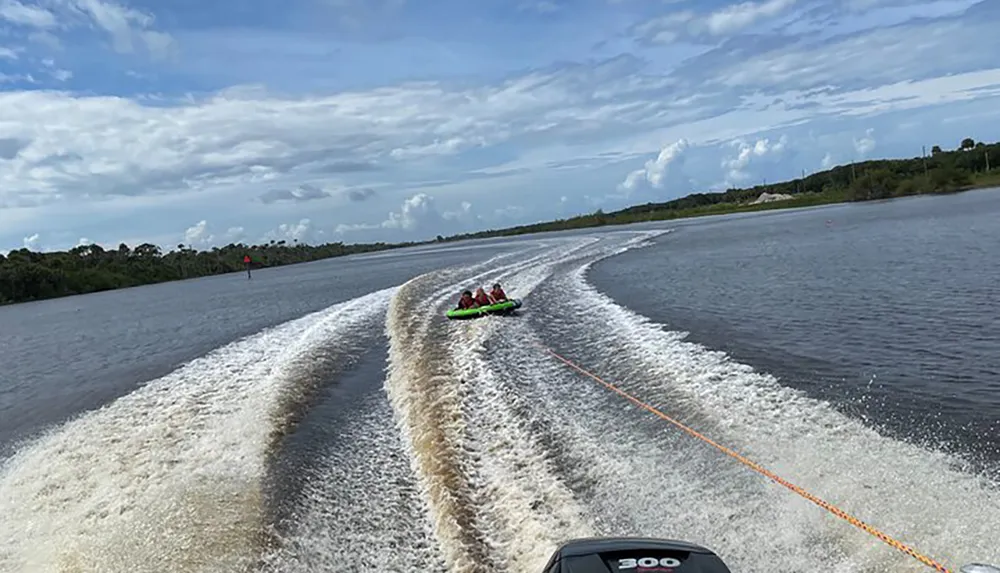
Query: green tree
column 27, row 275
column 874, row 184
column 948, row 179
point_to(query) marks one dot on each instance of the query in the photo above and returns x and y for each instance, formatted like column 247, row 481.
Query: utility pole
column 923, row 156
column 987, row 154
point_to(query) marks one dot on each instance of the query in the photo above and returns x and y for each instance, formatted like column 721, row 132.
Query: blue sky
column 348, row 120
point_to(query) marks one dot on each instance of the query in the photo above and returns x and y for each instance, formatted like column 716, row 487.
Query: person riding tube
column 467, row 301
column 497, row 294
column 482, row 299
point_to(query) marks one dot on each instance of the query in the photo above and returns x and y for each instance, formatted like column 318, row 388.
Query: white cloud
column 17, row 13
column 866, row 144
column 420, row 216
column 31, row 243
column 202, row 237
column 83, row 242
column 13, row 78
column 417, row 211
column 509, row 144
column 97, row 145
column 305, row 192
column 667, row 28
column 198, row 236
column 739, row 16
column 465, row 214
column 890, row 54
column 828, row 161
column 91, row 146
column 679, row 25
column 302, row 232
column 736, row 166
column 656, row 169
column 126, row 26
column 438, row 147
column 213, row 150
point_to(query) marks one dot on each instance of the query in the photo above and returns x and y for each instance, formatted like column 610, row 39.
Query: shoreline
column 815, row 201
column 655, row 212
column 719, row 209
column 27, row 276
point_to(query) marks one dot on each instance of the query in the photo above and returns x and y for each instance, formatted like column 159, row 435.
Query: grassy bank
column 828, row 197
column 797, row 201
column 26, row 275
column 986, row 180
column 965, row 168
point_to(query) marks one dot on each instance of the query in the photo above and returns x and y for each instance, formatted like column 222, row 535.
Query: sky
column 205, row 123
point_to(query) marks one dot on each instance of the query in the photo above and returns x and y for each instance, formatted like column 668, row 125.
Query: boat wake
column 469, row 449
column 170, row 477
column 518, row 453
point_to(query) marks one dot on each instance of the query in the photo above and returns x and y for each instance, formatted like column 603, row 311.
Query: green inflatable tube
column 504, row 307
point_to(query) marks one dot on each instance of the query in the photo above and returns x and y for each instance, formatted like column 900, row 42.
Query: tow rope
column 757, row 468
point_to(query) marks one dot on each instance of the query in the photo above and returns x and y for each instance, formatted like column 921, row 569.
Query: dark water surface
column 72, row 354
column 327, row 417
column 889, row 310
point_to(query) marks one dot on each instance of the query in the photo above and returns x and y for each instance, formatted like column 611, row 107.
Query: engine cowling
column 633, row 555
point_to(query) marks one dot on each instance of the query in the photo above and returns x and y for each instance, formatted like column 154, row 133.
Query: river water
column 326, row 417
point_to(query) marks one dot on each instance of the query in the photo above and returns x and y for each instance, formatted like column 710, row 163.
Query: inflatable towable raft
column 505, row 307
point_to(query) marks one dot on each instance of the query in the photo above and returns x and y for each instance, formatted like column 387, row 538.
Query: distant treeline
column 972, row 164
column 26, row 275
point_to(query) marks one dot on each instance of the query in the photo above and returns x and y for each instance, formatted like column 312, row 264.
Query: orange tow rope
column 757, row 468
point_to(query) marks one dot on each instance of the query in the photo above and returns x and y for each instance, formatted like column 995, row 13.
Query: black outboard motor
column 650, row 555
column 633, row 555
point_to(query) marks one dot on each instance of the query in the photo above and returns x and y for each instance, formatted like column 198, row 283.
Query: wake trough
column 476, row 451
column 171, row 477
column 515, row 453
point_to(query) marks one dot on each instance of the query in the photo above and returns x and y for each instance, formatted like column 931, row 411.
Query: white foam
column 623, row 472
column 423, row 398
column 491, row 509
column 640, row 478
column 509, row 452
column 923, row 497
column 167, row 478
column 360, row 507
column 531, row 510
